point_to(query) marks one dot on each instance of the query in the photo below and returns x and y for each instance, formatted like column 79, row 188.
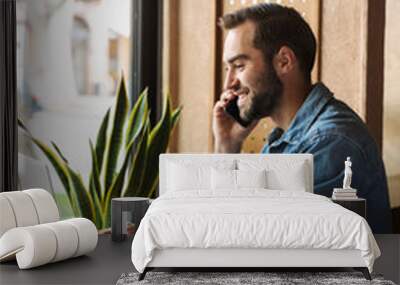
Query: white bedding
column 252, row 218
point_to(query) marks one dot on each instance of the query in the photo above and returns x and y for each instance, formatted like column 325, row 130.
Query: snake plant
column 129, row 132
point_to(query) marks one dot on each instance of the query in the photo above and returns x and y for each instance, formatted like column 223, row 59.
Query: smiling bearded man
column 269, row 53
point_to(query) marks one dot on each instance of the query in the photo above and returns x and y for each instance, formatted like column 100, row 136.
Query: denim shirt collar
column 306, row 115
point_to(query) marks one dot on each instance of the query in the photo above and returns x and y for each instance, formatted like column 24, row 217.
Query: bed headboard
column 273, row 158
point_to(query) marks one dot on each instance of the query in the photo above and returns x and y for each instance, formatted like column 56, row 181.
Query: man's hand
column 228, row 134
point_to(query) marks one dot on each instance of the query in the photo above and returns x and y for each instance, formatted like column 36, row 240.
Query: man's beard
column 264, row 103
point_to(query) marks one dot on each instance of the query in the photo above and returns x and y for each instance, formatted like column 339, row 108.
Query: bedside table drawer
column 358, row 206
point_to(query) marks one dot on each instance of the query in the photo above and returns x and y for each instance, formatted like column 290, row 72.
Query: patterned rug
column 230, row 278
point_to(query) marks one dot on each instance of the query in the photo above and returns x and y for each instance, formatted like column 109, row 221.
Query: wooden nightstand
column 358, row 206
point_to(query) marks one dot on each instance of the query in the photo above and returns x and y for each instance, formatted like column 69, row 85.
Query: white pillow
column 292, row 180
column 185, row 175
column 225, row 179
column 285, row 174
column 182, row 178
column 251, row 178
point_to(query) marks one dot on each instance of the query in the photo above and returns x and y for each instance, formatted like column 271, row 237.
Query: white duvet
column 254, row 218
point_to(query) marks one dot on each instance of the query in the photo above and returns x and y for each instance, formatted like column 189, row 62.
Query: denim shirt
column 331, row 131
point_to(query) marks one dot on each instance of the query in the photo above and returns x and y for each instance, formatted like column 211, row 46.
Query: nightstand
column 358, row 206
column 125, row 210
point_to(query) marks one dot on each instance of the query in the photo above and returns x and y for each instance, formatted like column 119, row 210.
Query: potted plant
column 129, row 132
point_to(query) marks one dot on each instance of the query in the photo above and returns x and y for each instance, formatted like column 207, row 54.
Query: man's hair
column 277, row 26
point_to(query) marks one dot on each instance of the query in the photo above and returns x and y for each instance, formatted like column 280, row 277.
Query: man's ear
column 284, row 61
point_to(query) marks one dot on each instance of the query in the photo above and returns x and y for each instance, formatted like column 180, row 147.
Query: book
column 345, row 194
column 345, row 199
column 341, row 197
column 341, row 190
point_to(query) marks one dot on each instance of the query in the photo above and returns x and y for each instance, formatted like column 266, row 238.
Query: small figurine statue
column 347, row 174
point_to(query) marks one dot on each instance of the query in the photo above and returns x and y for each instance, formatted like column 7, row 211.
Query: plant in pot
column 129, row 132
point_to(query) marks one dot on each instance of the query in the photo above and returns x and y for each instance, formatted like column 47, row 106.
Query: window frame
column 146, row 71
column 8, row 97
column 147, row 53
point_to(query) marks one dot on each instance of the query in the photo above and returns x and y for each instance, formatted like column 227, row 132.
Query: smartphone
column 233, row 110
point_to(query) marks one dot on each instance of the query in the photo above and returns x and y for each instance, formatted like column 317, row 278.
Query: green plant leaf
column 175, row 117
column 84, row 199
column 95, row 175
column 97, row 206
column 116, row 188
column 58, row 164
column 60, row 168
column 137, row 117
column 137, row 171
column 101, row 141
column 74, row 201
column 59, row 152
column 116, row 137
column 152, row 193
column 81, row 198
column 157, row 144
column 22, row 126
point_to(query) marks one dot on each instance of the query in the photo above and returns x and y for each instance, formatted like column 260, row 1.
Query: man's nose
column 231, row 82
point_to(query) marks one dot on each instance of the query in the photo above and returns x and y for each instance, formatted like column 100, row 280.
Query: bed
column 245, row 211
